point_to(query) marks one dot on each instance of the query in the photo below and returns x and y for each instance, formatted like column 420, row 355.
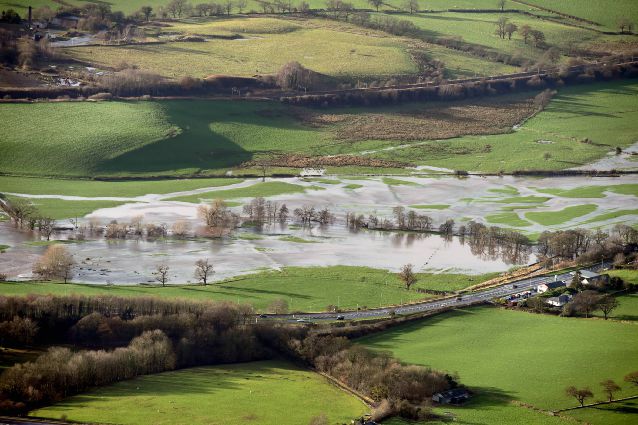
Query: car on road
column 262, row 316
column 341, row 318
column 514, row 286
column 459, row 298
column 302, row 321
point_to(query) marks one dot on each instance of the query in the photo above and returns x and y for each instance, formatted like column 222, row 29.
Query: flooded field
column 599, row 202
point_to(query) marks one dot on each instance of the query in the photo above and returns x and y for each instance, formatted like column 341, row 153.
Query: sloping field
column 266, row 392
column 509, row 356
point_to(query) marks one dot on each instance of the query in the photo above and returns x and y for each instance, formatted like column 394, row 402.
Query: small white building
column 550, row 286
column 312, row 172
column 559, row 301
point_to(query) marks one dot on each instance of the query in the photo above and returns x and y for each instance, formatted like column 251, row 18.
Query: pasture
column 598, row 11
column 479, row 29
column 265, row 392
column 575, row 114
column 339, row 51
column 511, row 357
column 305, row 289
column 92, row 188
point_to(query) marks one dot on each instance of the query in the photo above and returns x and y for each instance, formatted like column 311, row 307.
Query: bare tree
column 585, row 302
column 525, row 31
column 146, row 11
column 203, row 270
column 510, row 28
column 56, row 262
column 501, row 23
column 625, row 25
column 278, row 306
column 501, row 5
column 411, row 6
column 241, row 4
column 632, row 378
column 607, row 305
column 46, row 225
column 375, row 3
column 161, row 273
column 579, row 394
column 407, row 276
column 609, row 388
column 282, row 215
column 447, row 228
column 180, row 228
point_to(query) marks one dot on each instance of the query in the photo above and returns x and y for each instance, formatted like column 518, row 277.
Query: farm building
column 587, row 277
column 455, row 396
column 551, row 285
column 559, row 301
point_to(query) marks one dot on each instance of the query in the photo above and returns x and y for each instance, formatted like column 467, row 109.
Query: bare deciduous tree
column 579, row 394
column 501, row 5
column 609, row 388
column 161, row 273
column 46, row 225
column 56, row 262
column 278, row 306
column 632, row 378
column 607, row 305
column 407, row 276
column 203, row 270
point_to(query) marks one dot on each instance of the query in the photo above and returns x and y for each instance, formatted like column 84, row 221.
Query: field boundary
column 598, row 403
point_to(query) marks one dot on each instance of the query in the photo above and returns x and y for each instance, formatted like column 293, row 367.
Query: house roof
column 555, row 284
column 456, row 392
column 588, row 274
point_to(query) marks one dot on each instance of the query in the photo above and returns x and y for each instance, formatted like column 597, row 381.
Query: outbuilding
column 454, row 396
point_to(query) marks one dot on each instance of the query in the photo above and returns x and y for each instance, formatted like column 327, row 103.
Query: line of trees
column 398, row 389
column 470, row 89
column 609, row 388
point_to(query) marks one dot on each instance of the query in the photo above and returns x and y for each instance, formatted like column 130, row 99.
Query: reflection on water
column 134, row 260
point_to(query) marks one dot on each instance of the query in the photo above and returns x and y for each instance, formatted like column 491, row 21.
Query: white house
column 550, row 286
column 559, row 301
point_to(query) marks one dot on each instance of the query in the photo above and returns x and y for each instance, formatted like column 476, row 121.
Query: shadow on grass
column 198, row 147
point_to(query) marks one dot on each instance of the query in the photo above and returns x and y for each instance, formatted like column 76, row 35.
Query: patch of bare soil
column 9, row 78
column 435, row 121
column 300, row 161
column 615, row 47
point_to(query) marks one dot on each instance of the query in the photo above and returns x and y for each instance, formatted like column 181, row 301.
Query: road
column 465, row 300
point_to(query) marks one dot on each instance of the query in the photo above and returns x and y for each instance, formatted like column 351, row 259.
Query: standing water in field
column 530, row 205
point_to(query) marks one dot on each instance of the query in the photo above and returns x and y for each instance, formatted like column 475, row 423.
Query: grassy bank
column 305, row 289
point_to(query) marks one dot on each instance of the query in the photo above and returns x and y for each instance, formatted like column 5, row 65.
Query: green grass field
column 59, row 209
column 509, row 218
column 89, row 188
column 600, row 11
column 263, row 190
column 169, row 138
column 305, row 289
column 604, row 113
column 593, row 191
column 266, row 392
column 508, row 356
column 550, row 218
column 337, row 50
column 479, row 29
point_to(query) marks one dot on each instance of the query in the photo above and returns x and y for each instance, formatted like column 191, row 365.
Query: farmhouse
column 559, row 301
column 455, row 396
column 550, row 285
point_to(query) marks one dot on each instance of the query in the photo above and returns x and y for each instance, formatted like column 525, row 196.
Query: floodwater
column 248, row 250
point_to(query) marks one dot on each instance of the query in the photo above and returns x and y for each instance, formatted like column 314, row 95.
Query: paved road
column 466, row 299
